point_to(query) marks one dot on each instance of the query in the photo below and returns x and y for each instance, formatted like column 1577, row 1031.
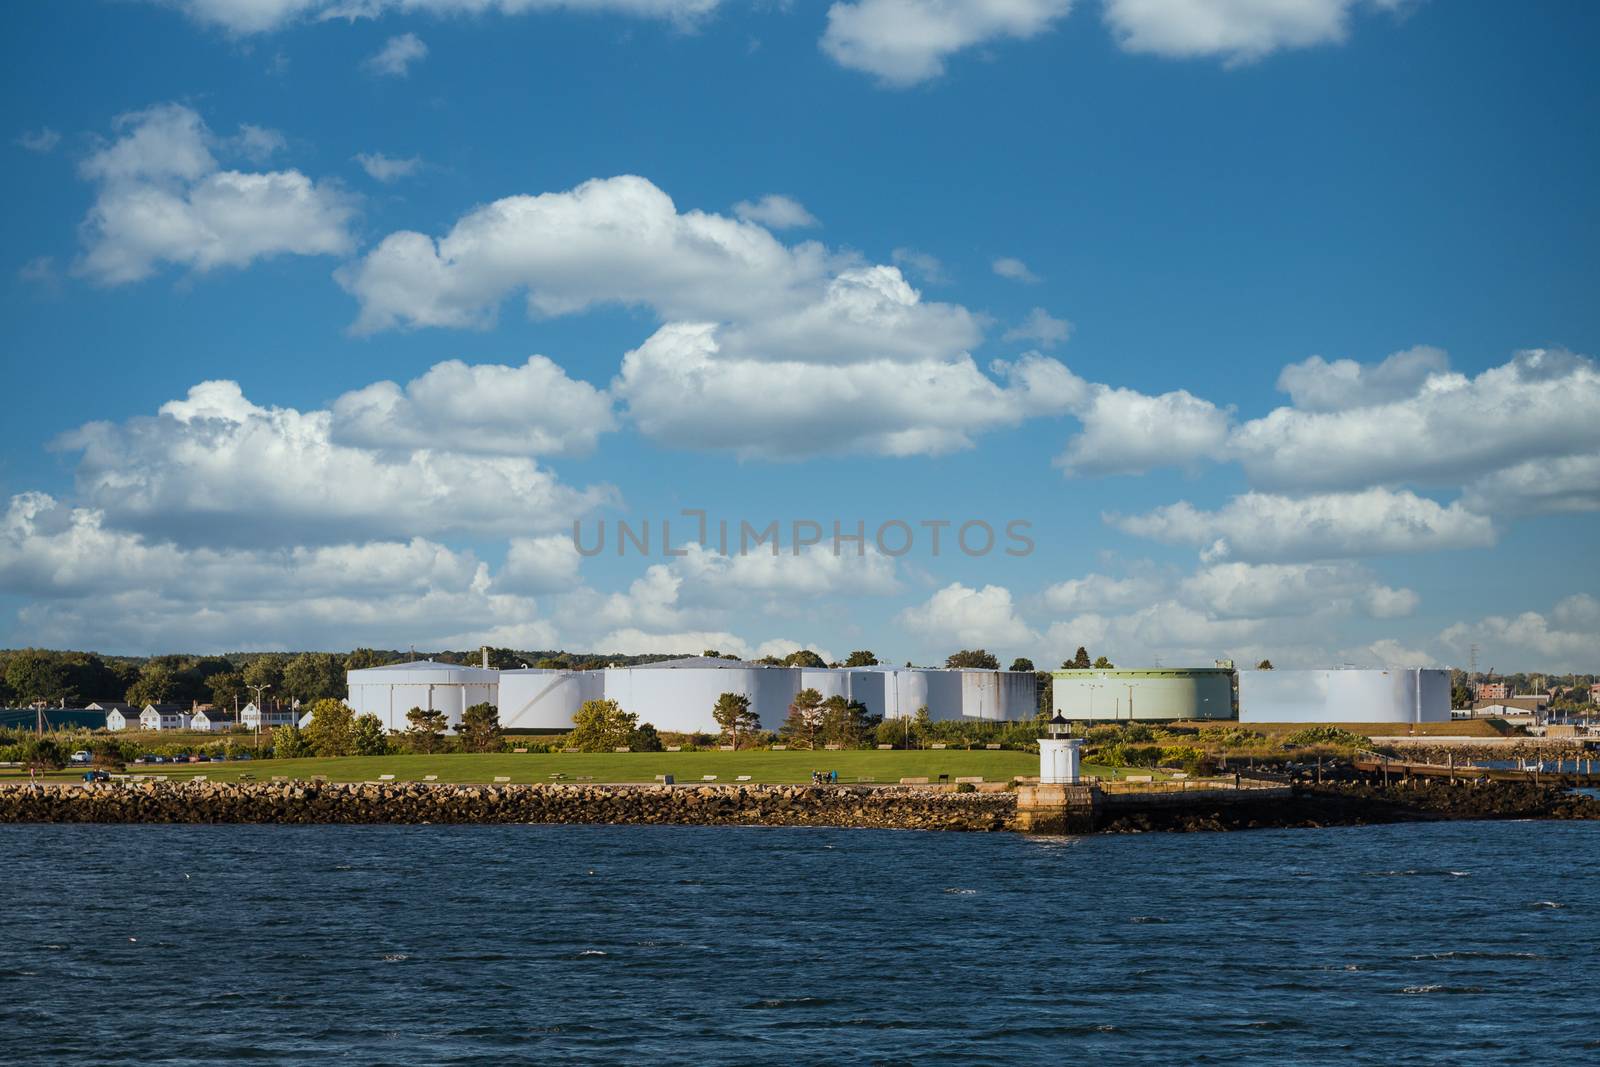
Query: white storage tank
column 390, row 691
column 1389, row 695
column 537, row 699
column 829, row 681
column 944, row 693
column 999, row 696
column 889, row 692
column 678, row 695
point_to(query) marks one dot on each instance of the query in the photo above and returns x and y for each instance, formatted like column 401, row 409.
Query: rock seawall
column 302, row 802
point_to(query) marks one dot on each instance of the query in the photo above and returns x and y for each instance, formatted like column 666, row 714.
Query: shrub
column 966, row 787
column 289, row 743
column 1326, row 735
column 645, row 739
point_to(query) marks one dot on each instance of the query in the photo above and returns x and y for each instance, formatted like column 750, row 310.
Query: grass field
column 762, row 766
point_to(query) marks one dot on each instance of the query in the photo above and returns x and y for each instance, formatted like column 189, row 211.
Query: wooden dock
column 1466, row 772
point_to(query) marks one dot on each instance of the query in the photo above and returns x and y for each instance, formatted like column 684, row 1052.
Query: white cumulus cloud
column 387, row 169
column 398, row 53
column 215, row 468
column 775, row 211
column 1268, row 527
column 963, row 616
column 1237, row 30
column 163, row 198
column 905, row 42
column 484, row 408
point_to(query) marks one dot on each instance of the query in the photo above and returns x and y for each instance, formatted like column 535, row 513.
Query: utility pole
column 261, row 708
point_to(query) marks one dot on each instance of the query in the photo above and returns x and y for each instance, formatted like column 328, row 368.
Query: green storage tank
column 1143, row 694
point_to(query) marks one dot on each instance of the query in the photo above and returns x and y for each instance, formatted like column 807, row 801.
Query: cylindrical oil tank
column 998, row 696
column 535, row 699
column 828, row 681
column 944, row 693
column 889, row 692
column 1143, row 694
column 1392, row 695
column 391, row 691
column 680, row 698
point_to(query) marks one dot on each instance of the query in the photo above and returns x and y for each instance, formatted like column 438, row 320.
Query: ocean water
column 1458, row 942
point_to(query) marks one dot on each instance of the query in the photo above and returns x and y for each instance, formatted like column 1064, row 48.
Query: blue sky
column 1277, row 327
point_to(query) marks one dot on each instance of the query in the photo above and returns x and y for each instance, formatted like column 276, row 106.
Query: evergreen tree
column 480, row 728
column 424, row 728
column 805, row 719
column 732, row 712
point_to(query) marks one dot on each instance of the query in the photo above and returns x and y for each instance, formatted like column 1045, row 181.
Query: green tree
column 922, row 726
column 861, row 658
column 1264, row 665
column 265, row 670
column 600, row 726
column 645, row 739
column 1103, row 664
column 424, row 728
column 155, row 685
column 362, row 658
column 288, row 742
column 978, row 658
column 732, row 713
column 844, row 722
column 480, row 728
column 43, row 754
column 1079, row 662
column 228, row 688
column 332, row 729
column 804, row 658
column 32, row 675
column 804, row 720
column 1022, row 663
column 368, row 737
column 314, row 676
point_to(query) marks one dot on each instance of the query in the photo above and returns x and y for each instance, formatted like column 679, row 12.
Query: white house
column 164, row 717
column 213, row 720
column 118, row 716
column 252, row 717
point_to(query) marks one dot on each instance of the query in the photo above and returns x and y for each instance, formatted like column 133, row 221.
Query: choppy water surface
column 1463, row 943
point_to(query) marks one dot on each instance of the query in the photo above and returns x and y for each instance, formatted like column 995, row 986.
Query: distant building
column 254, row 718
column 1143, row 694
column 1528, row 704
column 164, row 717
column 1493, row 691
column 213, row 721
column 1387, row 695
column 118, row 716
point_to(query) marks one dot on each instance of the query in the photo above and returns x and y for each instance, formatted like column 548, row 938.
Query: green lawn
column 762, row 766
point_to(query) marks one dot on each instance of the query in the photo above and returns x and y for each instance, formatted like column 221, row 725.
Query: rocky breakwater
column 1359, row 804
column 887, row 807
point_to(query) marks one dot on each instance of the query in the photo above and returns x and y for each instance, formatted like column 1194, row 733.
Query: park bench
column 622, row 748
column 198, row 778
column 992, row 748
column 742, row 778
column 674, row 748
column 914, row 781
column 865, row 779
column 501, row 779
column 585, row 778
column 708, row 777
column 1179, row 775
column 519, row 750
column 556, row 777
column 780, row 748
column 884, row 747
column 724, row 748
column 385, row 777
column 833, row 748
column 430, row 777
column 1140, row 778
column 970, row 781
column 280, row 778
column 941, row 744
column 944, row 779
column 664, row 779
